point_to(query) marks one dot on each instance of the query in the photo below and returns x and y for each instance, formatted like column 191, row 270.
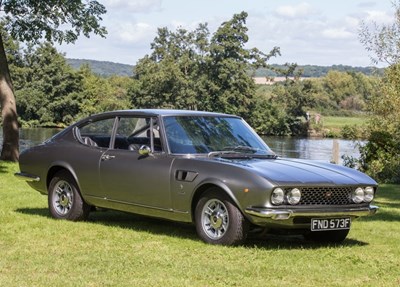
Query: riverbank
column 338, row 127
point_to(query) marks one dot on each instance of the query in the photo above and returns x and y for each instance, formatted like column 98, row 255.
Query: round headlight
column 277, row 196
column 357, row 196
column 368, row 194
column 294, row 196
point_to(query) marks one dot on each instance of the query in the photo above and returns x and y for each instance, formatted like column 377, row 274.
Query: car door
column 128, row 177
column 94, row 139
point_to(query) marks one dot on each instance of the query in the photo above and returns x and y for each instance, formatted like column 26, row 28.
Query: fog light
column 277, row 196
column 368, row 194
column 294, row 196
column 357, row 196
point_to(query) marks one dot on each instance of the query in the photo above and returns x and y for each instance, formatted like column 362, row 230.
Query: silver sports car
column 207, row 168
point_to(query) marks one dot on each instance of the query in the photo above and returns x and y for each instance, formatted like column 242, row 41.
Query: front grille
column 326, row 195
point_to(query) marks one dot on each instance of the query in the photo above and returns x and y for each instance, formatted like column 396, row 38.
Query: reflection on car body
column 211, row 169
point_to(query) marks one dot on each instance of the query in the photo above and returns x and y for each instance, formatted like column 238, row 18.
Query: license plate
column 321, row 224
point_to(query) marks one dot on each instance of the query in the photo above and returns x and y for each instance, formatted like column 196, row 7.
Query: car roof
column 161, row 112
column 149, row 113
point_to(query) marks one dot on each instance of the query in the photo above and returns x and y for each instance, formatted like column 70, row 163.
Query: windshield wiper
column 241, row 148
column 222, row 153
column 237, row 154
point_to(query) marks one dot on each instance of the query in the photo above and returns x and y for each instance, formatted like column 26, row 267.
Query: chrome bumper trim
column 27, row 176
column 280, row 214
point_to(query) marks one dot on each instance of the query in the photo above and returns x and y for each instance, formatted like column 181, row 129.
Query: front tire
column 218, row 220
column 64, row 198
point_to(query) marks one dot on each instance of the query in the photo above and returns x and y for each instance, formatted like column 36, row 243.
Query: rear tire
column 332, row 236
column 218, row 220
column 64, row 198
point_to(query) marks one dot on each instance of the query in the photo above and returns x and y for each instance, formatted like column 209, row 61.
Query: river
column 306, row 148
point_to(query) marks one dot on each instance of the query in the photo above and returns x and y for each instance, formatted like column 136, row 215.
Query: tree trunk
column 10, row 150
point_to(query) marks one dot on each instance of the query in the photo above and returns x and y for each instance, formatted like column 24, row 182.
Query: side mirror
column 144, row 150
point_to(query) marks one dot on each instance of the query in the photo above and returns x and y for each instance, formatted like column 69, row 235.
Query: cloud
column 337, row 33
column 366, row 4
column 135, row 33
column 317, row 39
column 378, row 17
column 352, row 22
column 295, row 11
column 143, row 6
column 307, row 31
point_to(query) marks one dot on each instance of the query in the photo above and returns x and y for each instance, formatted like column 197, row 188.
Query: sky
column 310, row 32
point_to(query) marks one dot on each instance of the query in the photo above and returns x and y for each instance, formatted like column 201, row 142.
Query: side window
column 132, row 133
column 97, row 133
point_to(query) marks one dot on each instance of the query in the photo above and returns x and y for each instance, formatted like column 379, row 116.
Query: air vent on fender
column 184, row 175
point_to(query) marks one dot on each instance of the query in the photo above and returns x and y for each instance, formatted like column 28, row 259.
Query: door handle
column 107, row 157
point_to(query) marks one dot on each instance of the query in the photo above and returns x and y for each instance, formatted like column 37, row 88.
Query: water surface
column 306, row 148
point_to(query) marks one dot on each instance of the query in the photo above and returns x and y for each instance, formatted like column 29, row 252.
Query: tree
column 383, row 40
column 380, row 156
column 30, row 21
column 51, row 90
column 172, row 75
column 339, row 86
column 294, row 97
column 269, row 117
column 230, row 85
column 188, row 69
column 101, row 94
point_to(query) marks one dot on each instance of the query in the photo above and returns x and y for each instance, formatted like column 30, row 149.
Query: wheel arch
column 202, row 188
column 57, row 167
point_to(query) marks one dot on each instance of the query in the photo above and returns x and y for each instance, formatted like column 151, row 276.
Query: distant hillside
column 103, row 68
column 107, row 69
column 313, row 71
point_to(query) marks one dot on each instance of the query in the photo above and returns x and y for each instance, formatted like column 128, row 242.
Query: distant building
column 272, row 80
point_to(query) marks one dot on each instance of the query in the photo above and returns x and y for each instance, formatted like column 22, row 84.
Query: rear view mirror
column 144, row 150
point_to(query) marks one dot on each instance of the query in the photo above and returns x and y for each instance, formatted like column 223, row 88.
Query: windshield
column 210, row 134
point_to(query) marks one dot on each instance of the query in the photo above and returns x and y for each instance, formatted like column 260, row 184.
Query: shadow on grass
column 188, row 231
column 128, row 221
column 3, row 167
column 388, row 199
column 388, row 194
column 382, row 215
column 388, row 204
column 272, row 241
column 34, row 211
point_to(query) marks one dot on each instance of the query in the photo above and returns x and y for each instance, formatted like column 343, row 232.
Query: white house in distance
column 271, row 80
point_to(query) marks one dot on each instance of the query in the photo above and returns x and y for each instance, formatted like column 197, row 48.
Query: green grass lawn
column 340, row 122
column 340, row 127
column 119, row 249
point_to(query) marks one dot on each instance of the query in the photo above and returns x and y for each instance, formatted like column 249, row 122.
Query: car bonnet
column 292, row 171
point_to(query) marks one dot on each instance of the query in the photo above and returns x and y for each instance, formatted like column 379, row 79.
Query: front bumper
column 279, row 216
column 27, row 177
